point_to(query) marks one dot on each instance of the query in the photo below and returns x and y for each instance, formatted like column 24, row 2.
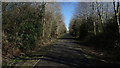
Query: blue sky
column 67, row 10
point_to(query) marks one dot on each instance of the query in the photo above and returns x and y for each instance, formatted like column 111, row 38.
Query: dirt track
column 64, row 53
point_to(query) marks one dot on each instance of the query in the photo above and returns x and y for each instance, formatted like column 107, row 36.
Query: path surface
column 66, row 53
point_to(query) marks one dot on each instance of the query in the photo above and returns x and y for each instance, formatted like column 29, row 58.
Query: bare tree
column 116, row 10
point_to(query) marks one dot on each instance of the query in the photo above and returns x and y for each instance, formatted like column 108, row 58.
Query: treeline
column 29, row 25
column 97, row 23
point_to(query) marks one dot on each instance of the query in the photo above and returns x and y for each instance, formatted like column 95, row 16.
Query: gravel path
column 64, row 54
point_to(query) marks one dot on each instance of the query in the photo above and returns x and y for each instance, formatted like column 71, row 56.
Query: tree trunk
column 116, row 10
column 43, row 20
column 118, row 22
column 94, row 28
column 94, row 23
